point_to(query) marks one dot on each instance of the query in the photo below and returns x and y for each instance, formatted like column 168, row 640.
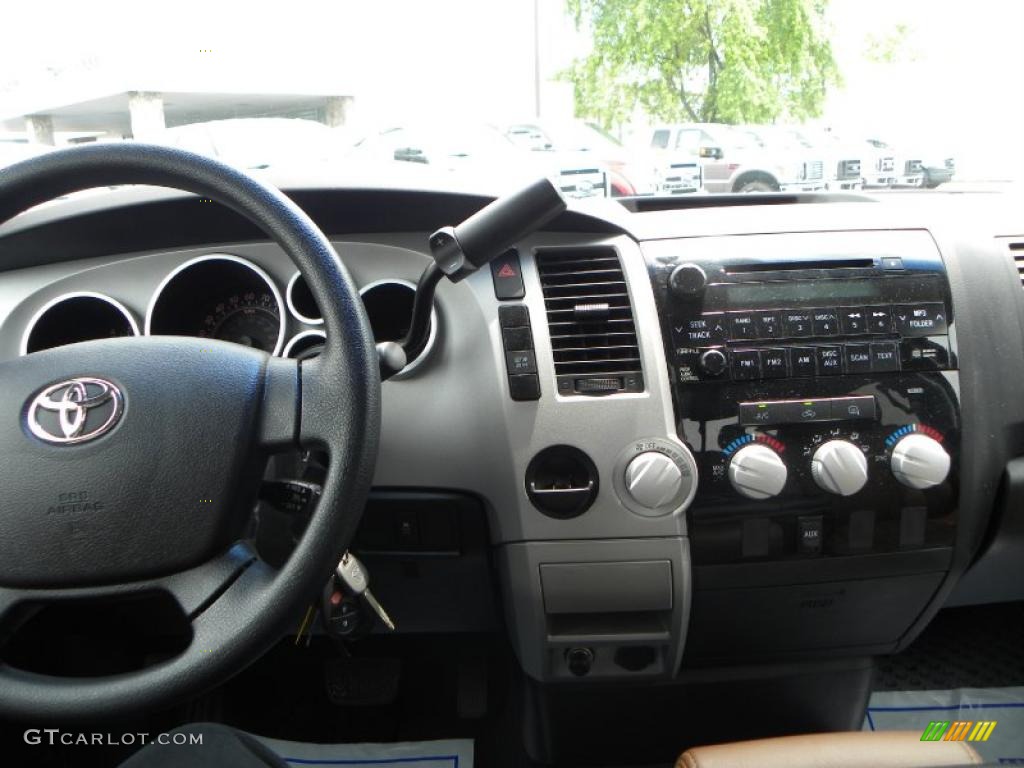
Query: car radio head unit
column 814, row 378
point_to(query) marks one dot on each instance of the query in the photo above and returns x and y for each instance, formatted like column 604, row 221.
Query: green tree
column 727, row 61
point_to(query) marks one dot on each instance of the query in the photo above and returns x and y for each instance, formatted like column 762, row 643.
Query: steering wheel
column 129, row 466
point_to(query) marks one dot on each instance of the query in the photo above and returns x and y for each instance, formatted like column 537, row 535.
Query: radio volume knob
column 839, row 467
column 688, row 281
column 757, row 472
column 919, row 461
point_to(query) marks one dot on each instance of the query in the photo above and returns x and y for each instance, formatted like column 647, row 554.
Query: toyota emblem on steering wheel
column 75, row 411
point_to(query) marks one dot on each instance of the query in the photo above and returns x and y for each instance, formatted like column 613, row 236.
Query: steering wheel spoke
column 198, row 588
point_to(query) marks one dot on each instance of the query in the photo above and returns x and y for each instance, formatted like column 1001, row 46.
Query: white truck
column 732, row 160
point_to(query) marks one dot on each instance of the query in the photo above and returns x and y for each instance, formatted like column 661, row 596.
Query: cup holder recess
column 562, row 481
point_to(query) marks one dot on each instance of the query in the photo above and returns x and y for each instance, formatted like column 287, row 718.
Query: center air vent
column 593, row 337
column 1017, row 252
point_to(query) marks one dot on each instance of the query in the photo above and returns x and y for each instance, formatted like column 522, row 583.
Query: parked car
column 732, row 160
column 937, row 170
column 844, row 161
column 893, row 167
column 783, row 144
column 630, row 172
column 484, row 153
column 683, row 174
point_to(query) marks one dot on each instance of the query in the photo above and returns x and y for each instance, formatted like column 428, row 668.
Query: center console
column 814, row 378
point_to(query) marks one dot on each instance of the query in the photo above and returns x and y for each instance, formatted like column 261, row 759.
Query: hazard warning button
column 508, row 277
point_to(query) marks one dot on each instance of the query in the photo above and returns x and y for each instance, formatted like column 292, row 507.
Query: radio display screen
column 828, row 292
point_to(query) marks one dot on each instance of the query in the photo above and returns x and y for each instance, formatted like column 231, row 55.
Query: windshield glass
column 484, row 93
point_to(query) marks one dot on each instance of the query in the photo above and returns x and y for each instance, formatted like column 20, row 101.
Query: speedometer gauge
column 223, row 297
column 250, row 319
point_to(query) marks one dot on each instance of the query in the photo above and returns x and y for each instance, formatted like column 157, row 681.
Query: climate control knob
column 839, row 467
column 757, row 472
column 919, row 461
column 653, row 479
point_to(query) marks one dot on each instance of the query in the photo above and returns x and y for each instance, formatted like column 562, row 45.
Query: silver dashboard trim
column 281, row 307
column 287, row 351
column 431, row 337
column 291, row 303
column 30, row 326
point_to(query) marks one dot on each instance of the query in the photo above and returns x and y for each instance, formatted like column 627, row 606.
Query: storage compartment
column 607, row 587
column 765, row 621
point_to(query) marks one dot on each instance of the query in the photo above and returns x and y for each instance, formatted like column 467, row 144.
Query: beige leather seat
column 857, row 749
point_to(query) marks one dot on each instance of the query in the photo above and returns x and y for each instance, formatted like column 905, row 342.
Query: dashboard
column 697, row 434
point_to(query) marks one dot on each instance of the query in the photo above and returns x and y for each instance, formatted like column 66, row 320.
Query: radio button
column 885, row 357
column 825, row 322
column 795, row 323
column 830, row 360
column 773, row 363
column 858, row 358
column 746, row 364
column 700, row 331
column 742, row 326
column 802, row 361
column 879, row 320
column 924, row 355
column 768, row 325
column 853, row 321
column 920, row 319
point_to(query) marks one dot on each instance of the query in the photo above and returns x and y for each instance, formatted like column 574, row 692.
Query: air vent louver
column 590, row 319
column 1017, row 252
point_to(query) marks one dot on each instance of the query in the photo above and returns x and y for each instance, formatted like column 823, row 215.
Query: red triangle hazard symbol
column 506, row 271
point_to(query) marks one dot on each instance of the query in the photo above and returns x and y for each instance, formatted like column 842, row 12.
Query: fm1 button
column 746, row 364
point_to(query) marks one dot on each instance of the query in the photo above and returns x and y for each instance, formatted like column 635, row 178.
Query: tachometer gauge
column 223, row 297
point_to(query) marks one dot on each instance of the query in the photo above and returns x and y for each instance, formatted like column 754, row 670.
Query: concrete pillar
column 39, row 129
column 147, row 114
column 337, row 111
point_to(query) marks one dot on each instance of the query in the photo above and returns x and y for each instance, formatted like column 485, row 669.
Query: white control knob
column 839, row 467
column 653, row 479
column 757, row 471
column 919, row 461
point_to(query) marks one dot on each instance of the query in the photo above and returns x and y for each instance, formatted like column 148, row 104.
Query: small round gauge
column 219, row 296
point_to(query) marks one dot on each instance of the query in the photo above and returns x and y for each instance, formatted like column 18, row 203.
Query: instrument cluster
column 225, row 297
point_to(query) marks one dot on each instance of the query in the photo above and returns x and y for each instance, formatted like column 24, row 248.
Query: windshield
column 490, row 92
